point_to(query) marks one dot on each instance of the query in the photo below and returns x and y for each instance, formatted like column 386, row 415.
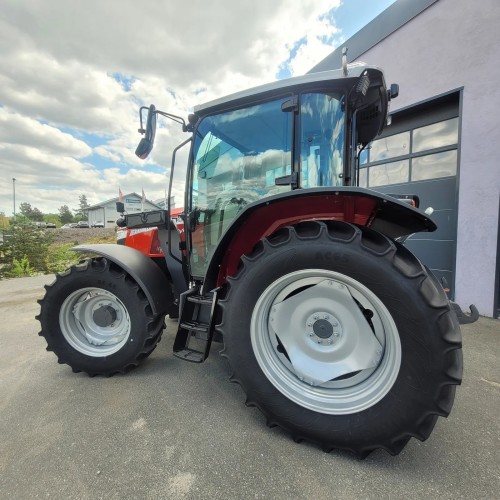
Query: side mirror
column 146, row 145
column 120, row 207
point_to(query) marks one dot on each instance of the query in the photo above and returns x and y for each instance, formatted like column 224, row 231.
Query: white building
column 442, row 144
column 106, row 213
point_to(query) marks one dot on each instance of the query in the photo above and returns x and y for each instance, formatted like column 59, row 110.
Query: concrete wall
column 453, row 44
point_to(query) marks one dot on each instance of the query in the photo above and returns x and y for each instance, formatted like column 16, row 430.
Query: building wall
column 107, row 212
column 454, row 44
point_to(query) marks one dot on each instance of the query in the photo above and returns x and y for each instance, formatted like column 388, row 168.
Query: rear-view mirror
column 146, row 145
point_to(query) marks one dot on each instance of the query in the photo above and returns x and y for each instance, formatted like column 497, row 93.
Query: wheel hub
column 105, row 315
column 323, row 328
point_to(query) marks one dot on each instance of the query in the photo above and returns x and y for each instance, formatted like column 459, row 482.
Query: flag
column 120, row 195
column 143, row 196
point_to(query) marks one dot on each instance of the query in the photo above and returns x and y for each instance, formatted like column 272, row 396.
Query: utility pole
column 14, row 193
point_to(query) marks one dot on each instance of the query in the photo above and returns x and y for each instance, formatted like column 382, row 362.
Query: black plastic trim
column 152, row 280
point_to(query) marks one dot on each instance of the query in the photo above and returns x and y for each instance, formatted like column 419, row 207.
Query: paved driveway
column 172, row 429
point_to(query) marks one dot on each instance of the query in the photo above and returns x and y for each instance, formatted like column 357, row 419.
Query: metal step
column 194, row 326
column 200, row 299
column 191, row 355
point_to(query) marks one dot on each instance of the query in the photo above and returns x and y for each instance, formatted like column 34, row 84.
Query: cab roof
column 355, row 70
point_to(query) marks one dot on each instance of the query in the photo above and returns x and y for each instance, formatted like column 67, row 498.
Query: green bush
column 27, row 250
column 24, row 244
column 60, row 257
column 20, row 268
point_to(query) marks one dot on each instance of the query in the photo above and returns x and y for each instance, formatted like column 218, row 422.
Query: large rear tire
column 96, row 319
column 340, row 336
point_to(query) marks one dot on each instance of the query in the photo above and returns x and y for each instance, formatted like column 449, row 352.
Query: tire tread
column 409, row 267
column 154, row 326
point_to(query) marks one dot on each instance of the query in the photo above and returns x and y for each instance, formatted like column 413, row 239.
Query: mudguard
column 361, row 206
column 142, row 269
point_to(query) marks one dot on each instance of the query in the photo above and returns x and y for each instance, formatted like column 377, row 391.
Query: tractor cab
column 295, row 134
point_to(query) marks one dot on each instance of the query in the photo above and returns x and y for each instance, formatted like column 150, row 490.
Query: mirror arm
column 175, row 118
column 142, row 130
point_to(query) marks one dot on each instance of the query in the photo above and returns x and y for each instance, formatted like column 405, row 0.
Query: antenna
column 344, row 61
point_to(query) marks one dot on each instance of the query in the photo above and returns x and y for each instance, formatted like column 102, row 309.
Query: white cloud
column 19, row 129
column 72, row 95
column 73, row 75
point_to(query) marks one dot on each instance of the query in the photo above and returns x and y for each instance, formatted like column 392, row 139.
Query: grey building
column 441, row 144
column 106, row 213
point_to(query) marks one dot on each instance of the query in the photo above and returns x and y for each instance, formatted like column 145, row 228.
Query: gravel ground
column 82, row 235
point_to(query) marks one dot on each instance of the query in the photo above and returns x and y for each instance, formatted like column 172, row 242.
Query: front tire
column 96, row 319
column 340, row 336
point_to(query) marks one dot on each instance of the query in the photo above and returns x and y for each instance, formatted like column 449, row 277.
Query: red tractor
column 333, row 329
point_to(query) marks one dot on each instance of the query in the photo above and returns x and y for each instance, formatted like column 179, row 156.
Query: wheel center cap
column 323, row 329
column 104, row 316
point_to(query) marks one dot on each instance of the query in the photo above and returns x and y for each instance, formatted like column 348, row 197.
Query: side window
column 322, row 139
column 237, row 157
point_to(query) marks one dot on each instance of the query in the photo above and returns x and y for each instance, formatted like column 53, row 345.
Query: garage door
column 419, row 154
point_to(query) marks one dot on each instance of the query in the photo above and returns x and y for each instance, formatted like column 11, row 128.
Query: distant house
column 106, row 213
column 162, row 202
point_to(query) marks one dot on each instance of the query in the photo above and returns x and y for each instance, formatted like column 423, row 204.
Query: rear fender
column 152, row 280
column 359, row 206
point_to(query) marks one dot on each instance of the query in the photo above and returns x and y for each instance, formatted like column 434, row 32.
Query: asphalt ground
column 172, row 429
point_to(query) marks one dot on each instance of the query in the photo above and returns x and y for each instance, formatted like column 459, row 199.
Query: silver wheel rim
column 82, row 324
column 316, row 345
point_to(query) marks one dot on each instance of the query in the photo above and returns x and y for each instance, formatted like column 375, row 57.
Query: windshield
column 237, row 157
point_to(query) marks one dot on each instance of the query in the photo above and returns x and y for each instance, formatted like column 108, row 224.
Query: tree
column 53, row 218
column 81, row 211
column 65, row 214
column 26, row 210
column 29, row 212
column 36, row 215
column 84, row 204
column 4, row 220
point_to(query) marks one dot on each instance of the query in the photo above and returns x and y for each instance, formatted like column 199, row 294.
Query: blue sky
column 74, row 74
